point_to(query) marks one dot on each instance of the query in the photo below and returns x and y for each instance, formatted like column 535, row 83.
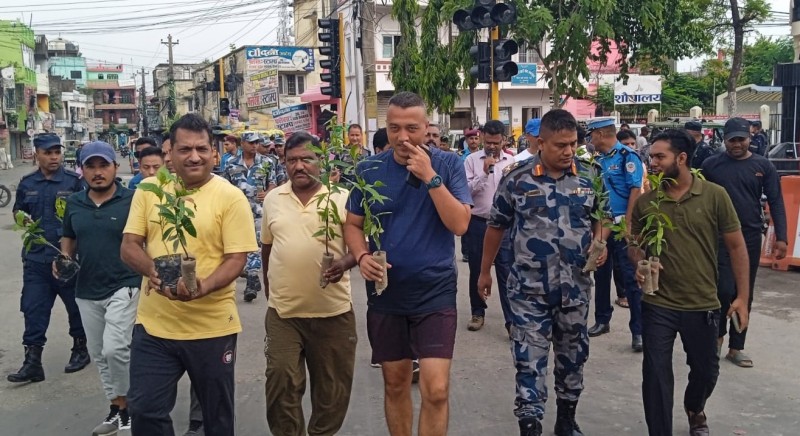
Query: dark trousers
column 156, row 366
column 473, row 240
column 195, row 411
column 698, row 332
column 617, row 258
column 726, row 287
column 39, row 292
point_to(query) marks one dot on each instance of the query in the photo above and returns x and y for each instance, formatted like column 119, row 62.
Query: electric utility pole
column 170, row 76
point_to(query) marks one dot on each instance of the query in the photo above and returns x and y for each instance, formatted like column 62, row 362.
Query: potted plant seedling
column 600, row 214
column 327, row 210
column 33, row 234
column 373, row 228
column 175, row 214
column 651, row 240
column 263, row 172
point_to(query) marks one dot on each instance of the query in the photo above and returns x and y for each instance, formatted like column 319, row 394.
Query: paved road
column 764, row 400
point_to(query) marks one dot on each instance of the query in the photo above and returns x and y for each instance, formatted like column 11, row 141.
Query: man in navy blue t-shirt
column 415, row 316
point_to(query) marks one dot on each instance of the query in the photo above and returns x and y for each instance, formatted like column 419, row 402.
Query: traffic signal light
column 485, row 13
column 332, row 57
column 224, row 107
column 482, row 62
column 504, row 68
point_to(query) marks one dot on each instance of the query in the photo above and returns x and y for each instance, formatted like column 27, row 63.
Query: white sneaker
column 124, row 420
column 375, row 365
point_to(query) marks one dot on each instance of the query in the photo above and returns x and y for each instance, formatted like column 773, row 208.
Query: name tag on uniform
column 534, row 193
column 63, row 193
column 583, row 191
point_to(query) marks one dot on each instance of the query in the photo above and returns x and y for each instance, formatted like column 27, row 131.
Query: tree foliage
column 643, row 30
column 760, row 58
column 405, row 74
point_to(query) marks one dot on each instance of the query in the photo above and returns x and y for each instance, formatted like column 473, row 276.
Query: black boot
column 252, row 287
column 31, row 370
column 565, row 421
column 79, row 357
column 530, row 427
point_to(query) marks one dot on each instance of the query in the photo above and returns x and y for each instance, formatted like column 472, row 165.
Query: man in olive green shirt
column 686, row 302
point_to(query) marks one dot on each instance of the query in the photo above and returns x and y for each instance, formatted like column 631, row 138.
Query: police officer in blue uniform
column 623, row 175
column 36, row 196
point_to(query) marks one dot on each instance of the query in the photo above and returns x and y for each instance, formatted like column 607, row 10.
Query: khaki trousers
column 326, row 347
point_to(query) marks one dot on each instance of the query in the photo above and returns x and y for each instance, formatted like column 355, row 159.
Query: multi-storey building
column 115, row 105
column 185, row 100
column 18, row 109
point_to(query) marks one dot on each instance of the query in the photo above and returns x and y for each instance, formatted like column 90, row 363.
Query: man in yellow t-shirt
column 305, row 320
column 177, row 331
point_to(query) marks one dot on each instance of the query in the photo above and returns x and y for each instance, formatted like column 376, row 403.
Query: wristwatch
column 435, row 182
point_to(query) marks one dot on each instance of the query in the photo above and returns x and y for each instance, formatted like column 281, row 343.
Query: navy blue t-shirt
column 419, row 247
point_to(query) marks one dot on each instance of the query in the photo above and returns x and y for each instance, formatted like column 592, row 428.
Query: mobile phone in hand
column 735, row 321
column 413, row 180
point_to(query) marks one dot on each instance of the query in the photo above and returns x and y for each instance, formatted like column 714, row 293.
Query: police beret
column 695, row 126
column 471, row 132
column 599, row 123
column 46, row 140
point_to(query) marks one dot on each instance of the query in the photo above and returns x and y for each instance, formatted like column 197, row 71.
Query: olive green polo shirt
column 98, row 232
column 689, row 278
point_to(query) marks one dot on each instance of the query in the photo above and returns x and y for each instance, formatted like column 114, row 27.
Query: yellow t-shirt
column 296, row 256
column 224, row 225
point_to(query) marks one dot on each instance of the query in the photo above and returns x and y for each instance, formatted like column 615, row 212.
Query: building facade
column 18, row 110
column 65, row 61
column 115, row 104
column 184, row 95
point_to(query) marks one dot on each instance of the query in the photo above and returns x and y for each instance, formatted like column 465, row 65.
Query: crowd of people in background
column 531, row 213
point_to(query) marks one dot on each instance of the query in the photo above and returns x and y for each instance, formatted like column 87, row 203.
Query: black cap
column 736, row 128
column 694, row 126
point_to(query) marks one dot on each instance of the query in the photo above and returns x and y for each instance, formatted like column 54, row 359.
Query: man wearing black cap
column 37, row 195
column 746, row 176
column 702, row 150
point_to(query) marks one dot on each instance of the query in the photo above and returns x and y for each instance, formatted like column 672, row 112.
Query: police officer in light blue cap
column 532, row 138
column 623, row 175
column 36, row 196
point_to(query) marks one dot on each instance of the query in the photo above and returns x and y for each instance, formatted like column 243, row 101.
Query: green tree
column 404, row 72
column 760, row 58
column 643, row 30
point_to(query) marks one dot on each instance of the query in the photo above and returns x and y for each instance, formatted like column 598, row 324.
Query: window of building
column 527, row 55
column 390, row 44
column 290, row 84
column 112, row 76
column 99, row 77
column 75, row 75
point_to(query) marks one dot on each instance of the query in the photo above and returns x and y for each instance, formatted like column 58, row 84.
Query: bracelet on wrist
column 361, row 257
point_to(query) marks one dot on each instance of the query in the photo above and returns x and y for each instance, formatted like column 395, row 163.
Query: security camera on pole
column 493, row 62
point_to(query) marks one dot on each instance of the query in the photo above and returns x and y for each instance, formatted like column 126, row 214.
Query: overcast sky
column 130, row 31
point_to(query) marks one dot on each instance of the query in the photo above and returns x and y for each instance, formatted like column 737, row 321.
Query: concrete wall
column 64, row 66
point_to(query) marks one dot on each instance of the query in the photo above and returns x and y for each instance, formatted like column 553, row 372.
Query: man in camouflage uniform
column 546, row 202
column 281, row 176
column 254, row 174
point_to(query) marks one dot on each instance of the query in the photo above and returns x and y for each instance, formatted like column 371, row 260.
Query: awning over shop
column 315, row 95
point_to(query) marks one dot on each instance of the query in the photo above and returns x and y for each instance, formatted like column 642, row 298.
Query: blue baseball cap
column 46, row 141
column 97, row 149
column 599, row 123
column 532, row 127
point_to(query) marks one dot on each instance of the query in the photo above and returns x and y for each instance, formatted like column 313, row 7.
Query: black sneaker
column 415, row 371
column 124, row 420
column 110, row 425
column 195, row 429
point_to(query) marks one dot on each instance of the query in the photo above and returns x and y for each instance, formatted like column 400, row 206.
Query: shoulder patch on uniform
column 511, row 167
column 630, row 167
column 623, row 151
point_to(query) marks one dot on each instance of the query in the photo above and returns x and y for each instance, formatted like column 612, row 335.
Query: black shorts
column 399, row 337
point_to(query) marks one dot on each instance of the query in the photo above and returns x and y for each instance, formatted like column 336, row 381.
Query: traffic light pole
column 342, row 63
column 224, row 118
column 495, row 103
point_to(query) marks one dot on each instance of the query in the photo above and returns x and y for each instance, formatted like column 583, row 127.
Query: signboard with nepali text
column 280, row 58
column 292, row 119
column 264, row 99
column 640, row 89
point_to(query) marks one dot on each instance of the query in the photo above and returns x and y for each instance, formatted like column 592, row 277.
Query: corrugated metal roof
column 759, row 97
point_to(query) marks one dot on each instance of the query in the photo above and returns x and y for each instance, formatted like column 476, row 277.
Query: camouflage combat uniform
column 261, row 174
column 551, row 231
